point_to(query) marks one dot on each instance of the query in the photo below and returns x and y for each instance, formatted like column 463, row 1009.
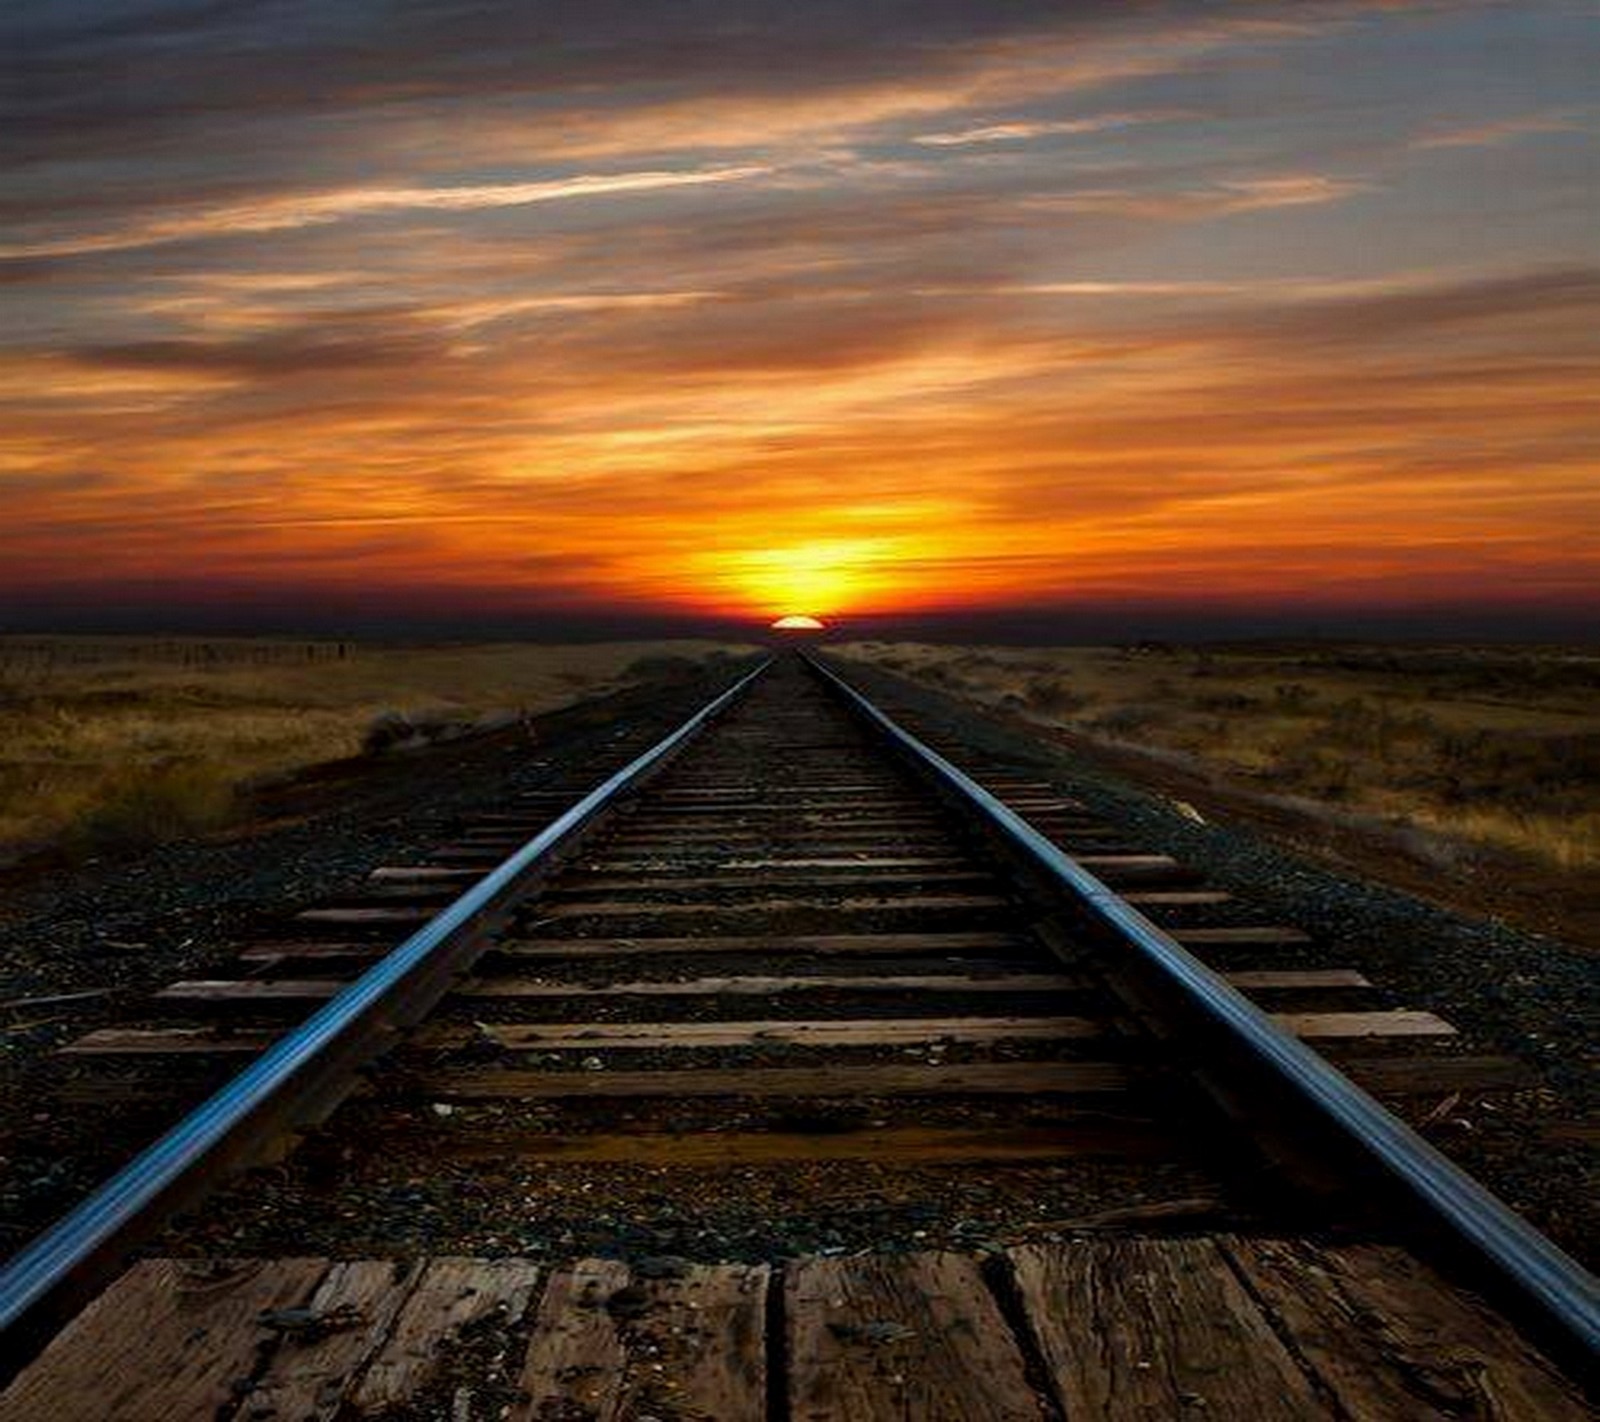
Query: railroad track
column 792, row 1070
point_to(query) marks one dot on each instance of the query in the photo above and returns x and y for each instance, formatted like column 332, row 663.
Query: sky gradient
column 866, row 309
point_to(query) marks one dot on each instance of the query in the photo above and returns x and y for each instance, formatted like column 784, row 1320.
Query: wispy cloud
column 1497, row 133
column 1289, row 190
column 1221, row 198
column 318, row 209
column 1023, row 130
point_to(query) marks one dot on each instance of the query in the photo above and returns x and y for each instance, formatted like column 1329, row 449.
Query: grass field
column 1475, row 746
column 108, row 739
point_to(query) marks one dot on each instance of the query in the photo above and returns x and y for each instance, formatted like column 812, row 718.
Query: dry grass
column 1491, row 746
column 117, row 739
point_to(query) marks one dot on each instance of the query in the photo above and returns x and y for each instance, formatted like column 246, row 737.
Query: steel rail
column 1561, row 1297
column 81, row 1251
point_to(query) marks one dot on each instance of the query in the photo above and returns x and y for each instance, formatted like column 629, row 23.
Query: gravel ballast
column 1523, row 994
column 133, row 926
column 82, row 945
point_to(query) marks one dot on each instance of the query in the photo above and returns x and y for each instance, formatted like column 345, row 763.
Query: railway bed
column 786, row 1073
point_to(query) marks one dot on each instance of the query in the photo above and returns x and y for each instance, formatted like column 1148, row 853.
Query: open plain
column 1470, row 774
column 106, row 741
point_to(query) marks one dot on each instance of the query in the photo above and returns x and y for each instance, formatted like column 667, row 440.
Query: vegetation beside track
column 1462, row 748
column 121, row 740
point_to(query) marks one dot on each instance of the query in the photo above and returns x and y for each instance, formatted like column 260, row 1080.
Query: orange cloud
column 841, row 336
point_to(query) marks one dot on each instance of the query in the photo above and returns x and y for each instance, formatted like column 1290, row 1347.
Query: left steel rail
column 300, row 1077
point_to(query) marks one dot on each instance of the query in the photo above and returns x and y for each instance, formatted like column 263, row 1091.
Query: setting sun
column 797, row 623
column 825, row 573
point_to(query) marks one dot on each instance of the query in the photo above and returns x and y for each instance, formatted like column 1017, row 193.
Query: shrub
column 1229, row 701
column 387, row 730
column 661, row 668
column 401, row 730
column 150, row 804
column 1128, row 720
column 1540, row 772
column 1314, row 770
column 1291, row 699
column 1054, row 697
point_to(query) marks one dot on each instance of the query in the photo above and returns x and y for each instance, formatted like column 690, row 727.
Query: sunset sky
column 724, row 309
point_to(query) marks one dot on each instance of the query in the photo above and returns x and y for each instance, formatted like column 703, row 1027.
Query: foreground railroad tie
column 782, row 968
column 1216, row 1327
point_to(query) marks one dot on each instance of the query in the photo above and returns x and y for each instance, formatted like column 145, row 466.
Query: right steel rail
column 1561, row 1297
column 300, row 1075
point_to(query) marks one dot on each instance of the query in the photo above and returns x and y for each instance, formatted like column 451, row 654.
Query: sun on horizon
column 797, row 622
